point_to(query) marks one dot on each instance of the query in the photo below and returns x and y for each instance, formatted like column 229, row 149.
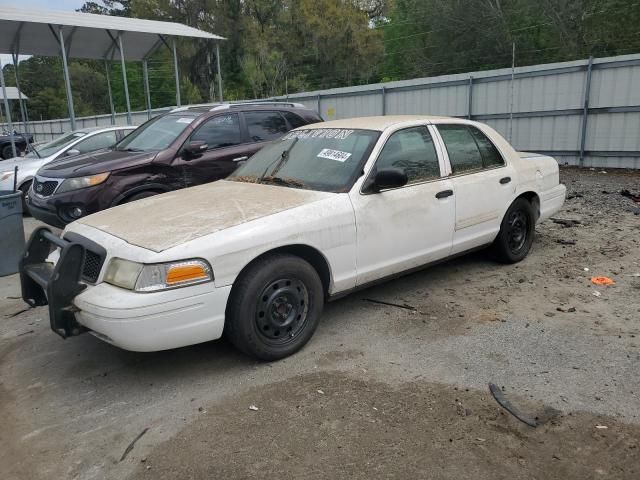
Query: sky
column 38, row 4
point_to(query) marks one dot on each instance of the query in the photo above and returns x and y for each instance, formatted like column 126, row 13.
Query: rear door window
column 265, row 126
column 294, row 120
column 490, row 155
column 464, row 154
column 220, row 131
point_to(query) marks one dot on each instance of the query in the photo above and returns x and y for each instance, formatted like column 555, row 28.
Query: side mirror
column 389, row 178
column 72, row 152
column 193, row 149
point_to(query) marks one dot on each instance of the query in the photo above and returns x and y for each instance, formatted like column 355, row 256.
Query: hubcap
column 518, row 230
column 282, row 309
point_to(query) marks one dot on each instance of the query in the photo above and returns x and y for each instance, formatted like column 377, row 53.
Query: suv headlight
column 157, row 276
column 82, row 182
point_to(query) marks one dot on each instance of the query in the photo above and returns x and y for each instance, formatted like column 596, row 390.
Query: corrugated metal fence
column 582, row 112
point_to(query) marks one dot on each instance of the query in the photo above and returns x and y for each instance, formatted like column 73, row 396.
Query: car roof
column 97, row 129
column 380, row 123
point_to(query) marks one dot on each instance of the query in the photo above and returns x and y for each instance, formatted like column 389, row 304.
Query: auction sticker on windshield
column 337, row 133
column 334, row 154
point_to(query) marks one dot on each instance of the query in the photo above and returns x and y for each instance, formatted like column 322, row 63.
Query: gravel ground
column 380, row 391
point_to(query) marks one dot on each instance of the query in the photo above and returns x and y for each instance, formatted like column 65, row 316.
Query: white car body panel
column 362, row 237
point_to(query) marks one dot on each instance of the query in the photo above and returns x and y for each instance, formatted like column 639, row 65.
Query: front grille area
column 44, row 188
column 94, row 256
column 92, row 266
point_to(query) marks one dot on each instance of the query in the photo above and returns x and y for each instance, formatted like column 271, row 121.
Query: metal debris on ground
column 628, row 194
column 498, row 394
column 133, row 442
column 253, row 407
column 566, row 222
column 405, row 306
column 320, row 392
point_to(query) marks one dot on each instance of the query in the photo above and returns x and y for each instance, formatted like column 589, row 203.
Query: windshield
column 156, row 134
column 327, row 159
column 55, row 146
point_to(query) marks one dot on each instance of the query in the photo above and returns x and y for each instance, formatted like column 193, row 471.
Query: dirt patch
column 330, row 425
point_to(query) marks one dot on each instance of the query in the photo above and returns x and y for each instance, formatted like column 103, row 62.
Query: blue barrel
column 11, row 232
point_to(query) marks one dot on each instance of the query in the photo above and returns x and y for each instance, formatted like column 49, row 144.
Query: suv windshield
column 55, row 146
column 325, row 159
column 157, row 134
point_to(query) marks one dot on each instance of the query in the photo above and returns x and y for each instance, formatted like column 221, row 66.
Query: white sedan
column 329, row 208
column 68, row 145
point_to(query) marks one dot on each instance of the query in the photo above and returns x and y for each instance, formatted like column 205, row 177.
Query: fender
column 140, row 188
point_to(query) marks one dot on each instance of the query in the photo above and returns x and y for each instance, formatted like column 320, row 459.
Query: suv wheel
column 139, row 196
column 7, row 152
column 275, row 307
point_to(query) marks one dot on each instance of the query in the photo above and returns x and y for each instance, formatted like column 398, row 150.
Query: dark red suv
column 188, row 146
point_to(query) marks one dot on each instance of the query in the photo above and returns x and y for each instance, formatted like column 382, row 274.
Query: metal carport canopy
column 13, row 94
column 96, row 37
column 86, row 35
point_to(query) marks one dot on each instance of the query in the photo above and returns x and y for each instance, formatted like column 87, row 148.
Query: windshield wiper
column 279, row 160
column 132, row 150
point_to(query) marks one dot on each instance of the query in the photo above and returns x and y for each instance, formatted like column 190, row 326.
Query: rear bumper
column 551, row 201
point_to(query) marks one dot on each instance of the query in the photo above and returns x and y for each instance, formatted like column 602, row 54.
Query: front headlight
column 157, row 276
column 5, row 175
column 82, row 182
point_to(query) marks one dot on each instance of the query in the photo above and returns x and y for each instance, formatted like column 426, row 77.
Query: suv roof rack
column 256, row 104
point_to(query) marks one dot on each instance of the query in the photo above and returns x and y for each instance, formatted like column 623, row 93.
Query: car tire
column 516, row 232
column 275, row 307
column 139, row 196
column 7, row 152
column 24, row 188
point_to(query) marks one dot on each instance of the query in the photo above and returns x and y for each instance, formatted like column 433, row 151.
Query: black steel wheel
column 282, row 310
column 516, row 232
column 275, row 307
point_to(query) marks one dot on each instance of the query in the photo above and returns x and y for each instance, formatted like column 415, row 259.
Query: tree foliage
column 274, row 47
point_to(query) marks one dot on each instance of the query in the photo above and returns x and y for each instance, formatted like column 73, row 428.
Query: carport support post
column 175, row 69
column 7, row 111
column 124, row 79
column 112, row 109
column 585, row 111
column 147, row 94
column 383, row 91
column 219, row 71
column 67, row 80
column 470, row 98
column 23, row 109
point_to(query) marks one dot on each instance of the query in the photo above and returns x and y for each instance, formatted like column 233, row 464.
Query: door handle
column 505, row 180
column 444, row 194
column 241, row 159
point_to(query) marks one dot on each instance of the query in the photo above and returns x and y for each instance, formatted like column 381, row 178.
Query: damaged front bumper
column 57, row 285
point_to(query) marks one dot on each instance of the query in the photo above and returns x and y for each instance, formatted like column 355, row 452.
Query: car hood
column 94, row 163
column 164, row 221
column 23, row 164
